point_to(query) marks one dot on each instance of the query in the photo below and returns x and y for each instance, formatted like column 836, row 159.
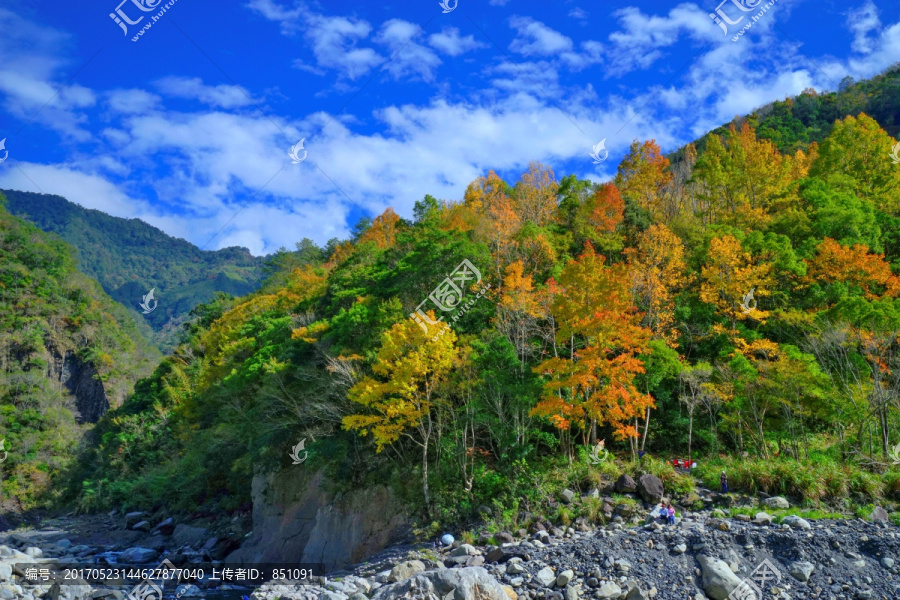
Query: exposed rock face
column 81, row 379
column 298, row 517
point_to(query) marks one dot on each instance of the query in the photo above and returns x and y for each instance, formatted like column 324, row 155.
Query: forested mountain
column 737, row 303
column 129, row 258
column 67, row 353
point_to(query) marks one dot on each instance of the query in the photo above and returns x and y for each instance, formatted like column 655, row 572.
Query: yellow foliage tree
column 402, row 398
column 729, row 275
column 657, row 271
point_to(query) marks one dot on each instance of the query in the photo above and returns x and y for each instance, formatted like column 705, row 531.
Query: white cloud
column 536, row 39
column 132, row 101
column 33, row 73
column 193, row 88
column 406, row 56
column 862, row 22
column 450, row 42
column 578, row 13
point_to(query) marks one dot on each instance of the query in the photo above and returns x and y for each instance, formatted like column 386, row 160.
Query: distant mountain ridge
column 130, row 257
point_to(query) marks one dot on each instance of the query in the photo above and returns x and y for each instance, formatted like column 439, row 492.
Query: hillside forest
column 736, row 301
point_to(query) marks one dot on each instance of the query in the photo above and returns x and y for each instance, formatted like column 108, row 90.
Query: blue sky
column 189, row 127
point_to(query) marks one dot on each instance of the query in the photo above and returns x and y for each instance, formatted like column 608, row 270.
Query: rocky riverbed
column 708, row 553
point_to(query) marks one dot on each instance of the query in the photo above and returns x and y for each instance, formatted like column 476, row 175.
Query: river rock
column 563, row 579
column 802, row 570
column 132, row 518
column 142, row 526
column 797, row 522
column 464, row 550
column 166, row 527
column 567, row 496
column 546, row 576
column 625, row 484
column 405, row 570
column 468, row 583
column 718, row 578
column 763, row 519
column 609, row 590
column 185, row 535
column 138, row 555
column 777, row 502
column 879, row 515
column 650, row 488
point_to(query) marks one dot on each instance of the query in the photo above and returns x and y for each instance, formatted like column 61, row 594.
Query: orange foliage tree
column 595, row 384
column 854, row 266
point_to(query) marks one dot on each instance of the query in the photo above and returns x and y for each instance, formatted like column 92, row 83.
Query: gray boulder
column 650, row 488
column 546, row 576
column 141, row 526
column 625, row 485
column 468, row 583
column 777, row 502
column 567, row 496
column 132, row 518
column 609, row 590
column 138, row 555
column 405, row 570
column 879, row 515
column 563, row 579
column 185, row 535
column 166, row 527
column 763, row 519
column 464, row 550
column 797, row 522
column 718, row 578
column 801, row 570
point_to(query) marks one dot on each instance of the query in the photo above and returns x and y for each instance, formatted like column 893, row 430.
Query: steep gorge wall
column 81, row 379
column 298, row 517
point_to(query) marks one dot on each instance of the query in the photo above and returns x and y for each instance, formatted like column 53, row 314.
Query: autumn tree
column 643, row 177
column 855, row 267
column 657, row 271
column 401, row 399
column 729, row 275
column 598, row 217
column 595, row 384
column 383, row 231
column 535, row 195
column 859, row 148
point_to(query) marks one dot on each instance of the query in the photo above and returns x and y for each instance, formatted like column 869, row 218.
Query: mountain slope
column 68, row 352
column 129, row 258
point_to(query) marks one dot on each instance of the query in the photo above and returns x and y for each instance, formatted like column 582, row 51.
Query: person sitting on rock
column 671, row 512
column 724, row 481
column 661, row 512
